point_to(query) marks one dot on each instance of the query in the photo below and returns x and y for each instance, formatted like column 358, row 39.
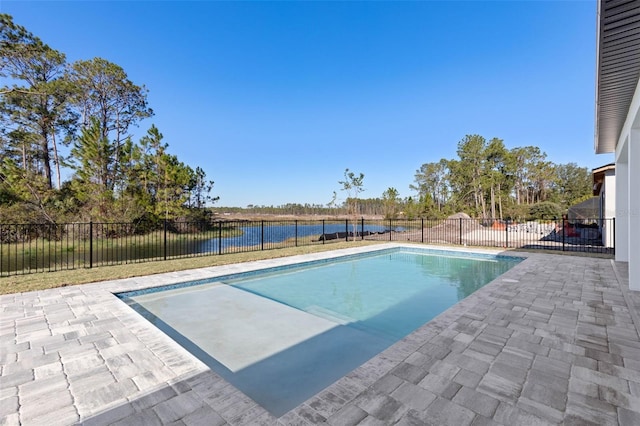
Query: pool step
column 328, row 314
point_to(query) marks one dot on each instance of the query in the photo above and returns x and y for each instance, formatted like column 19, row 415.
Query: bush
column 516, row 212
column 546, row 210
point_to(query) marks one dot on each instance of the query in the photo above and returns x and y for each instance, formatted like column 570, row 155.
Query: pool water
column 388, row 294
column 282, row 336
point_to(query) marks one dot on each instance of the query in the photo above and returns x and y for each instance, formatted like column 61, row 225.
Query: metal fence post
column 219, row 237
column 422, row 229
column 390, row 230
column 296, row 233
column 362, row 228
column 346, row 228
column 165, row 239
column 262, row 235
column 324, row 237
column 460, row 219
column 90, row 244
column 506, row 233
column 564, row 231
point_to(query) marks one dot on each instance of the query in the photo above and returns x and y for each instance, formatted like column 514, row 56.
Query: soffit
column 618, row 68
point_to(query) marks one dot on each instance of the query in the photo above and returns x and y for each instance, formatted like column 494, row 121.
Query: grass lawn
column 46, row 280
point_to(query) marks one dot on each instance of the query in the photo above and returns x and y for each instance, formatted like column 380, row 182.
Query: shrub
column 546, row 210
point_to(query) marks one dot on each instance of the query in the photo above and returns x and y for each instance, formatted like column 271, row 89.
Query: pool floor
column 277, row 355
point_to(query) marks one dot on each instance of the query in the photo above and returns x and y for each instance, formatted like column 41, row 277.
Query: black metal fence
column 31, row 248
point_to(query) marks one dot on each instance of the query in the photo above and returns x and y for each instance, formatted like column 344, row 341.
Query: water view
column 256, row 235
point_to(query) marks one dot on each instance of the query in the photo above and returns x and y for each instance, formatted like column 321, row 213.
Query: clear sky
column 275, row 99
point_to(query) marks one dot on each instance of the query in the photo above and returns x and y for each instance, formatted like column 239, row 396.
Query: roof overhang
column 617, row 68
column 603, row 169
column 598, row 176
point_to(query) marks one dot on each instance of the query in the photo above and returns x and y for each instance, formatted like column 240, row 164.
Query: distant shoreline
column 267, row 216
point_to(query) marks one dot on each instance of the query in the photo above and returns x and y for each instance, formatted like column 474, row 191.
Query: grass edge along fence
column 33, row 248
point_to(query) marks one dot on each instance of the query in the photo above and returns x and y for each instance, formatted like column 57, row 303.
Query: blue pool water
column 390, row 294
column 284, row 334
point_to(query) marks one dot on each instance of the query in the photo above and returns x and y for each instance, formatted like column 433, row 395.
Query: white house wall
column 622, row 207
column 628, row 193
column 634, row 208
column 609, row 208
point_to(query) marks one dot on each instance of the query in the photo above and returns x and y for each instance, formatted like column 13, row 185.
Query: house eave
column 617, row 69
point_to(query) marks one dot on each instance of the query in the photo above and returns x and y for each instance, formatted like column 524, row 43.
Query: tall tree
column 104, row 91
column 166, row 180
column 431, row 181
column 467, row 174
column 531, row 174
column 390, row 200
column 200, row 189
column 44, row 101
column 36, row 107
column 93, row 164
column 410, row 208
column 573, row 184
column 497, row 174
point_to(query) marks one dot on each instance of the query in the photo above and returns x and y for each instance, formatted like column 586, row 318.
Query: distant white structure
column 604, row 187
column 618, row 120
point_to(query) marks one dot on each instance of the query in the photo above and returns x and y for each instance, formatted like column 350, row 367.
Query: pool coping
column 62, row 339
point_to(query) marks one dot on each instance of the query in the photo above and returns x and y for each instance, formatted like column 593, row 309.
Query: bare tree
column 353, row 186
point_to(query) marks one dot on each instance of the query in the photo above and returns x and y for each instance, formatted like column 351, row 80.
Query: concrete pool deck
column 553, row 340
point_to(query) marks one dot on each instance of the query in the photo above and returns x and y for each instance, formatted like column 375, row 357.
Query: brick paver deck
column 552, row 341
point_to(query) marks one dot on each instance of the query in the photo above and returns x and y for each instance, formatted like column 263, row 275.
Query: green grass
column 43, row 281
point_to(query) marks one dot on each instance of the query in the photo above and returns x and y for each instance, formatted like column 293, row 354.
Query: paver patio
column 552, row 341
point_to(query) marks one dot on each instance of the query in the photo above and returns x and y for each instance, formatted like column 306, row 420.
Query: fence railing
column 31, row 248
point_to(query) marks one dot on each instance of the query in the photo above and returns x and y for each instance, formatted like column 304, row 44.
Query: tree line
column 89, row 107
column 487, row 180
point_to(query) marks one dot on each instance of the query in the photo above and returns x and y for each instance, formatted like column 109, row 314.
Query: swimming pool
column 283, row 334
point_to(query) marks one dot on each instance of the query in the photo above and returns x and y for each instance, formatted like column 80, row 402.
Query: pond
column 274, row 233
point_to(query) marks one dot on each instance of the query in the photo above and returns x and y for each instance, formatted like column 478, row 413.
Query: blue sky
column 275, row 99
